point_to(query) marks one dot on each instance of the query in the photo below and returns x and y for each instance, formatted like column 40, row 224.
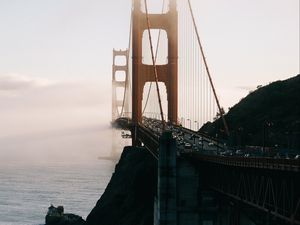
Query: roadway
column 248, row 179
column 188, row 140
column 202, row 147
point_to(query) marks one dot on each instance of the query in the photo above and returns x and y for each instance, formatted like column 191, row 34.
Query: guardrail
column 253, row 162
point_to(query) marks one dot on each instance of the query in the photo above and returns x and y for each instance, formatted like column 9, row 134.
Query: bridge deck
column 150, row 131
column 259, row 182
column 251, row 162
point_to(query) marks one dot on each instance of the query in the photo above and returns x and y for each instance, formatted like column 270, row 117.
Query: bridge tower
column 142, row 73
column 122, row 83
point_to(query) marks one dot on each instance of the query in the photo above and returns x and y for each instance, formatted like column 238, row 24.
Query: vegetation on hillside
column 268, row 116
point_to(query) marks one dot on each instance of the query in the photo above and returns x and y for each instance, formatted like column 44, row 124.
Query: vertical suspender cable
column 198, row 89
column 185, row 66
column 180, row 68
column 193, row 80
column 154, row 66
column 189, row 75
column 206, row 98
column 203, row 92
column 207, row 70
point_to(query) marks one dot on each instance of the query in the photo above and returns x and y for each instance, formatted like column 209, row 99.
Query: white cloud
column 13, row 84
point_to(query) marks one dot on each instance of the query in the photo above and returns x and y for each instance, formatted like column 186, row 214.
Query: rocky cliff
column 128, row 198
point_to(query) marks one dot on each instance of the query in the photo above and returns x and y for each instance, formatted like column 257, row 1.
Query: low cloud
column 63, row 144
column 14, row 83
column 64, row 119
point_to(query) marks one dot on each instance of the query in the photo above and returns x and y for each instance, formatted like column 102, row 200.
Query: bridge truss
column 271, row 186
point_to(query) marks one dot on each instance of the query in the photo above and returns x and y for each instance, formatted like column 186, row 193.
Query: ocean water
column 28, row 189
column 51, row 135
column 59, row 166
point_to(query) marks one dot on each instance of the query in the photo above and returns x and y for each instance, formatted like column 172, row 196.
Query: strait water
column 28, row 189
column 51, row 135
column 59, row 168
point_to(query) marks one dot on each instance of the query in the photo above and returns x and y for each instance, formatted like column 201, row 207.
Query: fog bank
column 54, row 120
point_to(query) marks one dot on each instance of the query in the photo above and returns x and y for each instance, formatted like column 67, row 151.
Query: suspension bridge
column 163, row 92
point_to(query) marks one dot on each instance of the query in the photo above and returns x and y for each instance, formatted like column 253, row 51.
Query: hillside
column 269, row 115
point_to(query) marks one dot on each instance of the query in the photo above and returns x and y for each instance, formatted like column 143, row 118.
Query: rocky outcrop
column 56, row 216
column 129, row 196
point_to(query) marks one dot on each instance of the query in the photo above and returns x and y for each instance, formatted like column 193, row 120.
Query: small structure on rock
column 56, row 216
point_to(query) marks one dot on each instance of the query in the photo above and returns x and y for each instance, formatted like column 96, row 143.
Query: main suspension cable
column 207, row 70
column 154, row 66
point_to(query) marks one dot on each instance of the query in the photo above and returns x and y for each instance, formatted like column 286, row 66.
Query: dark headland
column 129, row 197
column 268, row 116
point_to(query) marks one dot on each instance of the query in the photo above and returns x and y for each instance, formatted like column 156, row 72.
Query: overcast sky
column 246, row 42
column 56, row 55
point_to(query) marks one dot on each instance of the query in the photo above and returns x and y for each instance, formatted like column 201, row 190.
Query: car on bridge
column 195, row 147
column 238, row 152
column 211, row 144
column 187, row 145
column 181, row 142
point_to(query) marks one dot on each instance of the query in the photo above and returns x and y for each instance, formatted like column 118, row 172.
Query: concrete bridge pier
column 188, row 194
column 181, row 200
column 182, row 196
column 166, row 201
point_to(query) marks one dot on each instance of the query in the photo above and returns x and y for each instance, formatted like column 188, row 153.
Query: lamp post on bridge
column 166, row 118
column 266, row 127
column 156, row 116
column 190, row 123
column 197, row 125
column 153, row 115
column 182, row 121
column 217, row 142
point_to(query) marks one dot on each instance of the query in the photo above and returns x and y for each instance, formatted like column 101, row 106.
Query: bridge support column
column 180, row 200
column 135, row 141
column 187, row 193
column 166, row 203
column 119, row 83
column 166, row 73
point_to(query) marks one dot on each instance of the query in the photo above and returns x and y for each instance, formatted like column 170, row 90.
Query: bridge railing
column 254, row 162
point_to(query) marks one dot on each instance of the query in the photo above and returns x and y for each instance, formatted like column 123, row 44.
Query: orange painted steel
column 116, row 103
column 142, row 73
